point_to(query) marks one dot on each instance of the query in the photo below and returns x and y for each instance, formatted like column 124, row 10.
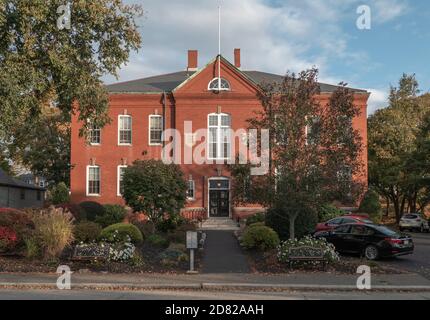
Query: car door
column 357, row 238
column 338, row 237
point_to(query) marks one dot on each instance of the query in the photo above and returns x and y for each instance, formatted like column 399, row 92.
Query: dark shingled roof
column 168, row 82
column 6, row 180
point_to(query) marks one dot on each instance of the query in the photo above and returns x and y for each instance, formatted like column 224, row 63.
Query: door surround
column 220, row 189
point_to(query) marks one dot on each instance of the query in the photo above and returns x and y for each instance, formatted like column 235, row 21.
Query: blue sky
column 280, row 35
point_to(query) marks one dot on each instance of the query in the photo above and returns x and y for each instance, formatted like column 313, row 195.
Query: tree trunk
column 292, row 226
column 387, row 209
column 396, row 208
column 402, row 208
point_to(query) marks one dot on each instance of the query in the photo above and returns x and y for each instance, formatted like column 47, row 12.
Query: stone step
column 219, row 224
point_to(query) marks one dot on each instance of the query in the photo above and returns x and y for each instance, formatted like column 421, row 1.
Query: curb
column 102, row 286
column 212, row 287
column 304, row 287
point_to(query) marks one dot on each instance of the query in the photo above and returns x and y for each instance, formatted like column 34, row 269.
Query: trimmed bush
column 305, row 223
column 157, row 241
column 113, row 214
column 328, row 212
column 260, row 238
column 257, row 224
column 122, row 232
column 92, row 209
column 371, row 205
column 8, row 239
column 53, row 231
column 60, row 194
column 259, row 217
column 87, row 231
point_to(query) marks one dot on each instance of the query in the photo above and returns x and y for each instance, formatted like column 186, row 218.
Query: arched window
column 219, row 143
column 214, row 85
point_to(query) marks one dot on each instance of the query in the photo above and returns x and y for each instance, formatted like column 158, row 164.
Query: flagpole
column 219, row 47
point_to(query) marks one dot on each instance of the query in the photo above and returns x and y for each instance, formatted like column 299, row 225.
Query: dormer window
column 216, row 85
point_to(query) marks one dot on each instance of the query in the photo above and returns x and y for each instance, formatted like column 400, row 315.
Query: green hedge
column 259, row 217
column 113, row 214
column 371, row 205
column 92, row 209
column 260, row 238
column 120, row 231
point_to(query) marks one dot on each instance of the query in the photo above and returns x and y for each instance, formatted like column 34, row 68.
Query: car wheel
column 371, row 252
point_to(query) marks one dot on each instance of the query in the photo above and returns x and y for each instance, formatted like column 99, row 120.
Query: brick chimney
column 237, row 58
column 192, row 60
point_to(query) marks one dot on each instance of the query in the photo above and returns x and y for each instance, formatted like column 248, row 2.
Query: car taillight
column 394, row 241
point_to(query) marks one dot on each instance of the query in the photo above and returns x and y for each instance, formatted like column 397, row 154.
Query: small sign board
column 89, row 252
column 192, row 242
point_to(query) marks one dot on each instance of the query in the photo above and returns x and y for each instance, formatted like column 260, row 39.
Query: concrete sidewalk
column 227, row 281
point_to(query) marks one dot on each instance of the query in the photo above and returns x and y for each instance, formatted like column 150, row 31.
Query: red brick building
column 141, row 109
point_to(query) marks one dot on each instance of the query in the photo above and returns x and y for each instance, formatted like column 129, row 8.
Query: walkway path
column 222, row 254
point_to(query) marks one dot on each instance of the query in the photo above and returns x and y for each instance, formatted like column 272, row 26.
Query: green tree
column 371, row 205
column 44, row 148
column 393, row 132
column 60, row 194
column 154, row 188
column 42, row 65
column 314, row 149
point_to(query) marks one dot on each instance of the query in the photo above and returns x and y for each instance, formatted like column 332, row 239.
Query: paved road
column 223, row 254
column 202, row 295
column 419, row 262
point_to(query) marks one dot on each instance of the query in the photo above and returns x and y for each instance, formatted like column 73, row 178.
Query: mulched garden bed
column 151, row 262
column 267, row 262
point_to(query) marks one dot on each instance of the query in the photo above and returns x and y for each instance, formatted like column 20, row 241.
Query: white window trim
column 219, row 89
column 194, row 190
column 149, row 129
column 97, row 144
column 87, row 180
column 119, row 129
column 219, row 144
column 118, row 191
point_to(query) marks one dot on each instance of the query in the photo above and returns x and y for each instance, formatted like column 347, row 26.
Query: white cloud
column 292, row 35
column 378, row 100
column 387, row 10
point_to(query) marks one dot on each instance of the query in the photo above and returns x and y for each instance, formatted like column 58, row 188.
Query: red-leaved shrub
column 15, row 226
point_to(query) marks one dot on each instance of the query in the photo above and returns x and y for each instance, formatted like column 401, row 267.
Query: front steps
column 225, row 224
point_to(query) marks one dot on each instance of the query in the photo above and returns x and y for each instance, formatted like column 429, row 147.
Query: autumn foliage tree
column 315, row 151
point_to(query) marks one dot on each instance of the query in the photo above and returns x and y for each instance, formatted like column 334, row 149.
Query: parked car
column 334, row 223
column 414, row 221
column 371, row 240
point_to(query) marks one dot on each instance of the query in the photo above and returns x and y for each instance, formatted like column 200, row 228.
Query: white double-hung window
column 219, row 136
column 155, row 129
column 120, row 178
column 93, row 181
column 125, row 127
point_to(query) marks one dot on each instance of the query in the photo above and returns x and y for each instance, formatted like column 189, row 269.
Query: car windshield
column 387, row 231
column 410, row 216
